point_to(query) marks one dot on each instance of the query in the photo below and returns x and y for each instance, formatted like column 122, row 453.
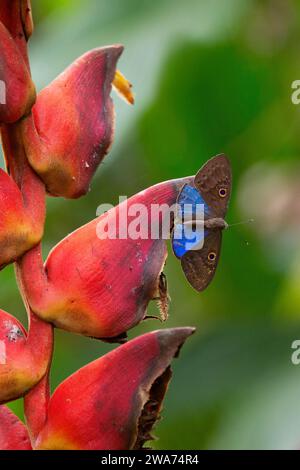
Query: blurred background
column 209, row 76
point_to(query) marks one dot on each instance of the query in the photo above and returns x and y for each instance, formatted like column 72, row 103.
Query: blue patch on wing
column 190, row 196
column 185, row 238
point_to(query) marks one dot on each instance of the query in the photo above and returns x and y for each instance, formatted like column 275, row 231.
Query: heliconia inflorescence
column 94, row 286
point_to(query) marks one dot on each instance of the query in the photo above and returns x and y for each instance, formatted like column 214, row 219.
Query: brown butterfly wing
column 214, row 177
column 197, row 267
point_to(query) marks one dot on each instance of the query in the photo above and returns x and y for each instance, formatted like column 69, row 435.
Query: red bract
column 17, row 91
column 19, row 227
column 17, row 18
column 23, row 358
column 97, row 287
column 72, row 123
column 13, row 433
column 114, row 402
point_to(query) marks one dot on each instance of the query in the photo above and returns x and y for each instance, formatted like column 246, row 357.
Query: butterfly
column 199, row 221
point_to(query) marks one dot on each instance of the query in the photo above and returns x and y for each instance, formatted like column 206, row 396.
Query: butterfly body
column 199, row 221
column 215, row 223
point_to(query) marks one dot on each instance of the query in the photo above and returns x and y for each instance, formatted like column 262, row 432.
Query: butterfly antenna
column 249, row 221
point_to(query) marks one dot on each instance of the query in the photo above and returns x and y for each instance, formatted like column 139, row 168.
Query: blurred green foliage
column 210, row 76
